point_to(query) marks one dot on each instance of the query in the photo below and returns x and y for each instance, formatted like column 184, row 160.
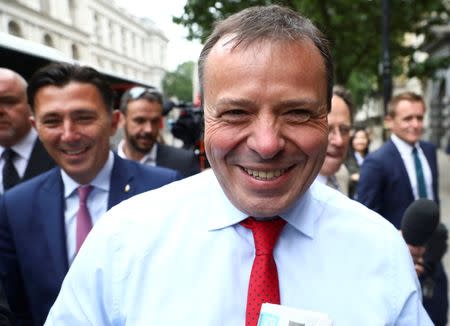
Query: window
column 14, row 29
column 48, row 40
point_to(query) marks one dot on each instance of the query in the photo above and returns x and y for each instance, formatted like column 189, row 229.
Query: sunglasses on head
column 138, row 91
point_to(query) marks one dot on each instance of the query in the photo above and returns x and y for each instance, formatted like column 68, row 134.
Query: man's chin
column 330, row 166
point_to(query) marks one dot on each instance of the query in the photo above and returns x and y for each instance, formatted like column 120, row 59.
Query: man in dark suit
column 142, row 119
column 401, row 171
column 22, row 155
column 44, row 221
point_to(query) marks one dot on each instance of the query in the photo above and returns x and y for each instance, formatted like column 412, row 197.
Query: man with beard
column 142, row 119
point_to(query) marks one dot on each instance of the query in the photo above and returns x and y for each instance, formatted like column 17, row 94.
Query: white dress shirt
column 149, row 158
column 97, row 202
column 23, row 150
column 153, row 262
column 405, row 150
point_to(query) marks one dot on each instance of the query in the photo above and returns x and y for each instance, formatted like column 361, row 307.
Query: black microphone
column 420, row 220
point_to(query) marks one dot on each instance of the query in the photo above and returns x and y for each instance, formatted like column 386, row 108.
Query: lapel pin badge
column 127, row 188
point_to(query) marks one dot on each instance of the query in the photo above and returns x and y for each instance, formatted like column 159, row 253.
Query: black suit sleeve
column 5, row 313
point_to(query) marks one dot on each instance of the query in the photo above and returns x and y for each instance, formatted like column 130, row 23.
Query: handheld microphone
column 419, row 222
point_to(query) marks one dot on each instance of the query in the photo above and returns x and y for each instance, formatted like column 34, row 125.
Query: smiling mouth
column 265, row 175
column 74, row 152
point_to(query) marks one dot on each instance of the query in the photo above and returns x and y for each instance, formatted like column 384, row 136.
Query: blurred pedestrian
column 333, row 171
column 142, row 120
column 22, row 155
column 359, row 148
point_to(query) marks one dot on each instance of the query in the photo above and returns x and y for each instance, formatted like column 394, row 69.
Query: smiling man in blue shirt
column 266, row 77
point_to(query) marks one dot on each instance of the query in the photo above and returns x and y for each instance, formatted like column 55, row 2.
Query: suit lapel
column 122, row 186
column 39, row 161
column 51, row 211
column 397, row 161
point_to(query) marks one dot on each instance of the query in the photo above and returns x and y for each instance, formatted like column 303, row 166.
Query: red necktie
column 84, row 222
column 263, row 286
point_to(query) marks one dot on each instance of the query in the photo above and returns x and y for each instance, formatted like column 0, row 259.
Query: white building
column 94, row 32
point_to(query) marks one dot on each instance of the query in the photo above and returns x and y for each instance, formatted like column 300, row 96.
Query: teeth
column 74, row 152
column 265, row 175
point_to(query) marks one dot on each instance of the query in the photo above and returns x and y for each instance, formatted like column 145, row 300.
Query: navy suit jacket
column 33, row 255
column 179, row 159
column 384, row 184
column 39, row 161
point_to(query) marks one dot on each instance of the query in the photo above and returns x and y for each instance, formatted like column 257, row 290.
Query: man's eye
column 299, row 115
column 234, row 112
column 85, row 118
column 50, row 122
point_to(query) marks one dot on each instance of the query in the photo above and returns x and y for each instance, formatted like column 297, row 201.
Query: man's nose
column 69, row 131
column 266, row 138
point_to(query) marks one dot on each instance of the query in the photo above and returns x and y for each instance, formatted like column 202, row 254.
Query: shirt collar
column 321, row 178
column 24, row 147
column 302, row 215
column 101, row 181
column 149, row 157
column 403, row 147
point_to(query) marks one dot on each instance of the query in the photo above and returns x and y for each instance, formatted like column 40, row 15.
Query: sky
column 179, row 49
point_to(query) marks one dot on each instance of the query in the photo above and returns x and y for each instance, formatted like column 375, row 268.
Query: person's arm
column 5, row 314
column 14, row 291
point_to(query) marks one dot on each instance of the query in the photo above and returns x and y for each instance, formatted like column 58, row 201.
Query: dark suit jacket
column 5, row 313
column 33, row 256
column 39, row 162
column 178, row 159
column 384, row 185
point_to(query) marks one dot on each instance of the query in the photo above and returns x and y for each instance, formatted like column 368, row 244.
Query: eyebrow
column 229, row 101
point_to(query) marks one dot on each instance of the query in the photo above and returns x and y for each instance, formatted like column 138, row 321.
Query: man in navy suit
column 17, row 136
column 142, row 119
column 389, row 183
column 41, row 227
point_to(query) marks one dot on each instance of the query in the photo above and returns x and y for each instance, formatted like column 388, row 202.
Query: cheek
column 312, row 138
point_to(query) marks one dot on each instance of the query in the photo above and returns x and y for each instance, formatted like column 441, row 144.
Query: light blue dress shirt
column 177, row 256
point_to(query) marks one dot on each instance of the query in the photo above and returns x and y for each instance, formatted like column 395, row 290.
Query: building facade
column 94, row 32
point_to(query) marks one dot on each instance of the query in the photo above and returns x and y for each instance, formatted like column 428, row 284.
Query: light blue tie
column 419, row 175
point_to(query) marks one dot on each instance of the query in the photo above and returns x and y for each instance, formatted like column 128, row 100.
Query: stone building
column 94, row 32
column 438, row 90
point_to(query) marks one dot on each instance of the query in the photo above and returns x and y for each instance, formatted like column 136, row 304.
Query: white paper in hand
column 276, row 315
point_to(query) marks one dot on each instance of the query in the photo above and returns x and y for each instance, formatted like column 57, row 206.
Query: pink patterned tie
column 84, row 222
column 263, row 285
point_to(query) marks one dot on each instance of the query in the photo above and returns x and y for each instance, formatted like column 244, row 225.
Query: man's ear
column 388, row 122
column 115, row 119
column 121, row 120
column 33, row 121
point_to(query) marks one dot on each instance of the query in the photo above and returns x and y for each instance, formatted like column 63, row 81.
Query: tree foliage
column 353, row 28
column 179, row 82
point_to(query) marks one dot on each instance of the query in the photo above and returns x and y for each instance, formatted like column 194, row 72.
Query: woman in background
column 359, row 148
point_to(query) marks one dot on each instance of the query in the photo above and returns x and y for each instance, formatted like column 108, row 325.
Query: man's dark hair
column 61, row 74
column 273, row 23
column 151, row 95
column 346, row 96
